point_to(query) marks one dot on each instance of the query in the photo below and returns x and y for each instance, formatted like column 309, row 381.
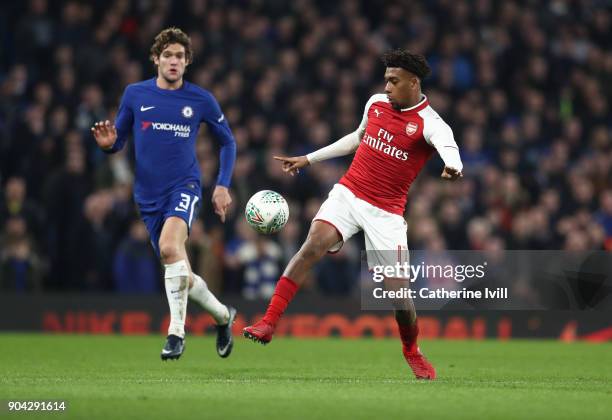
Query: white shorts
column 385, row 233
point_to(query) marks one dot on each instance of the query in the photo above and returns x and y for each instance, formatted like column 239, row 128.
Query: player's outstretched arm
column 345, row 146
column 342, row 147
column 105, row 134
column 293, row 164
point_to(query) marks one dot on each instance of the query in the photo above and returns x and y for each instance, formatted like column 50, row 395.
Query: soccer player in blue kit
column 164, row 114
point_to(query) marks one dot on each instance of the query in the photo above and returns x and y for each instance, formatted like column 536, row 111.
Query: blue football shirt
column 164, row 124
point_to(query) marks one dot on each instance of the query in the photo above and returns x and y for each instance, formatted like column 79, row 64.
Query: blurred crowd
column 525, row 85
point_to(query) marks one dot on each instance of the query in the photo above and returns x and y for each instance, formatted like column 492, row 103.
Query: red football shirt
column 394, row 148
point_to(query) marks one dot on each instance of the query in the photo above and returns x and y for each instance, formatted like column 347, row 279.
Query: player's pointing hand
column 105, row 134
column 451, row 173
column 293, row 164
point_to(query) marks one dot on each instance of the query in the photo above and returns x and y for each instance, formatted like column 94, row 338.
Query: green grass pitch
column 104, row 377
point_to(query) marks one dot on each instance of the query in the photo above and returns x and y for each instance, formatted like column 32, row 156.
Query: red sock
column 409, row 334
column 283, row 293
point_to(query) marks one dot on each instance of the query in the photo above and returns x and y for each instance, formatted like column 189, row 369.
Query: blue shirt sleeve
column 123, row 122
column 218, row 126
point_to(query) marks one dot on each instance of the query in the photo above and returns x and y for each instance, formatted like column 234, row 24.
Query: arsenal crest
column 411, row 128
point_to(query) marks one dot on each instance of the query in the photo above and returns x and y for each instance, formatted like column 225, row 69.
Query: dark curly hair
column 171, row 36
column 414, row 63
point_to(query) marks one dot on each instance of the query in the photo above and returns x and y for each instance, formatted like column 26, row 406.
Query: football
column 267, row 212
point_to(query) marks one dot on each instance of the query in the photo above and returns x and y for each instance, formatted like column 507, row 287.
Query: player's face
column 400, row 86
column 172, row 62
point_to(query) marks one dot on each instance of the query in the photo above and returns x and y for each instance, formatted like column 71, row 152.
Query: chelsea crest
column 187, row 112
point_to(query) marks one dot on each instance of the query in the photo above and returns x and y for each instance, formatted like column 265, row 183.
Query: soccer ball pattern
column 267, row 212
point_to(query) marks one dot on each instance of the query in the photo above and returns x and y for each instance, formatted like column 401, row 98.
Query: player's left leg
column 387, row 245
column 224, row 315
column 406, row 318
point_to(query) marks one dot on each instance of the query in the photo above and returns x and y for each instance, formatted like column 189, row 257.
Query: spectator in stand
column 21, row 269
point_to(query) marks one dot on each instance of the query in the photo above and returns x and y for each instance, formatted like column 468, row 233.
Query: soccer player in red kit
column 397, row 135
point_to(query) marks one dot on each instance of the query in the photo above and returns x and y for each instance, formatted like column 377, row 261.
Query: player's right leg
column 176, row 279
column 333, row 224
column 180, row 212
column 321, row 237
column 176, row 275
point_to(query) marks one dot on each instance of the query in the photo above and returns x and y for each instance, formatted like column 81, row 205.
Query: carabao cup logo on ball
column 267, row 212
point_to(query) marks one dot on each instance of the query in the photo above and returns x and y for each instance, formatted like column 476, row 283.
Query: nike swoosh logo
column 146, row 108
column 224, row 349
column 164, row 351
column 221, row 118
